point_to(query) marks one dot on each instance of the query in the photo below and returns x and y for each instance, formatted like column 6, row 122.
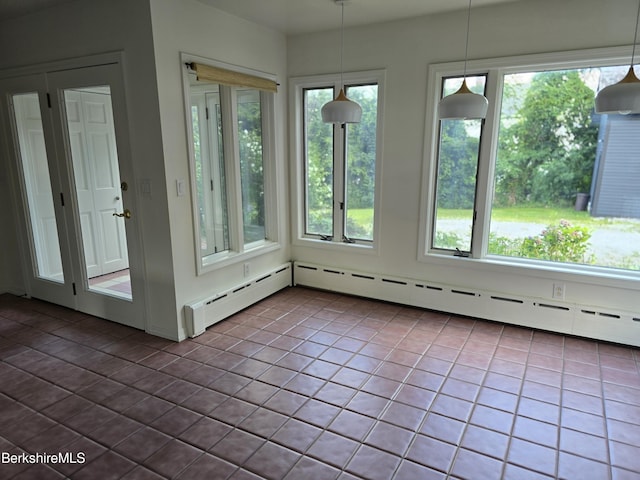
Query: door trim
column 108, row 58
column 110, row 67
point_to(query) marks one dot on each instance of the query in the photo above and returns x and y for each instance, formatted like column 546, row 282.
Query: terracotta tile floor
column 311, row 385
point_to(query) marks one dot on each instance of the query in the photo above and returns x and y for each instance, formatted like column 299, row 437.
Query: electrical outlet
column 247, row 270
column 558, row 291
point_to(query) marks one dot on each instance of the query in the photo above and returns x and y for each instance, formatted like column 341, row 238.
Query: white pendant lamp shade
column 341, row 110
column 463, row 104
column 622, row 97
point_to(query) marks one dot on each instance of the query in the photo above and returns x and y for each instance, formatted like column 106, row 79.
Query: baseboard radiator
column 205, row 312
column 552, row 315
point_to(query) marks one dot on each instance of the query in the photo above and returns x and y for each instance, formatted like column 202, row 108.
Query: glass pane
column 200, row 188
column 251, row 164
column 218, row 184
column 361, row 164
column 318, row 149
column 92, row 139
column 210, row 170
column 35, row 169
column 458, row 150
column 566, row 181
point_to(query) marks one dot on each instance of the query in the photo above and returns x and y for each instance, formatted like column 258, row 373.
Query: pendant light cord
column 466, row 46
column 341, row 43
column 635, row 37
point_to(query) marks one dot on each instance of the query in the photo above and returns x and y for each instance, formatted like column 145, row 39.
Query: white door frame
column 49, row 81
column 36, row 286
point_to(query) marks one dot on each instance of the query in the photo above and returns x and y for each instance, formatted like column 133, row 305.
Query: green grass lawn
column 522, row 214
column 540, row 215
column 525, row 214
column 513, row 214
column 362, row 216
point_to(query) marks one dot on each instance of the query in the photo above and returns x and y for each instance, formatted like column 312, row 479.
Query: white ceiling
column 303, row 16
column 295, row 16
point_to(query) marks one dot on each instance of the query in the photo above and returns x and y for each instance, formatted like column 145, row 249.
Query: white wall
column 11, row 280
column 405, row 49
column 83, row 28
column 187, row 26
column 152, row 34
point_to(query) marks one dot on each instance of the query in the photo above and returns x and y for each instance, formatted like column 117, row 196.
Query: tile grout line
column 356, row 335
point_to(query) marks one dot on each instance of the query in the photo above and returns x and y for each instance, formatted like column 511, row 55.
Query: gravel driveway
column 609, row 243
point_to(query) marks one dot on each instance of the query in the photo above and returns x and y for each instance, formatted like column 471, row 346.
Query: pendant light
column 341, row 110
column 624, row 96
column 464, row 104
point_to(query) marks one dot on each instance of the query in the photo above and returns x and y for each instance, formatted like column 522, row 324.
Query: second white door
column 97, row 179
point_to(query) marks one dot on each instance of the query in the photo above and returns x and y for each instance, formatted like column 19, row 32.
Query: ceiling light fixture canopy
column 464, row 104
column 622, row 97
column 342, row 109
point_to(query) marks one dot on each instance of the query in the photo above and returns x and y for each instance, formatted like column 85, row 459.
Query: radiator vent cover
column 557, row 316
column 205, row 312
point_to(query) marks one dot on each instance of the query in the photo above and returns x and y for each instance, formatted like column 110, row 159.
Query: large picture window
column 231, row 125
column 555, row 184
column 338, row 178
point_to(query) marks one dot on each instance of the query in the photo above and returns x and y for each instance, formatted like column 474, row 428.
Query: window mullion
column 270, row 179
column 339, row 182
column 232, row 163
column 486, row 167
column 206, row 171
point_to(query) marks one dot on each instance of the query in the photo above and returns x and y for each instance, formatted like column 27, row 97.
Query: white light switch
column 145, row 187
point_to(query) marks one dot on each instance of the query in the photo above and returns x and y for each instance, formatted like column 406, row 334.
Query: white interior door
column 97, row 172
column 97, row 180
column 35, row 170
column 74, row 167
column 26, row 119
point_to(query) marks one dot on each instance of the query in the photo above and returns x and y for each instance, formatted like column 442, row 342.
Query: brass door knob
column 125, row 214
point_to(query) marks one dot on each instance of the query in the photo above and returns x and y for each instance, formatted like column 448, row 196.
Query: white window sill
column 328, row 245
column 224, row 259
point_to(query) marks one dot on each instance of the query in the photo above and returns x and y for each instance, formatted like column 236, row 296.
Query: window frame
column 436, row 167
column 495, row 69
column 204, row 104
column 298, row 87
column 238, row 250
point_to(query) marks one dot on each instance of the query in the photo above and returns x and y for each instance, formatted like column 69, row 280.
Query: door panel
column 25, row 116
column 35, row 170
column 77, row 142
column 95, row 164
column 94, row 171
column 68, row 130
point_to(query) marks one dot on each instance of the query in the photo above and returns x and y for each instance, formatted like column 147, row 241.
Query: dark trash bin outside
column 582, row 200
